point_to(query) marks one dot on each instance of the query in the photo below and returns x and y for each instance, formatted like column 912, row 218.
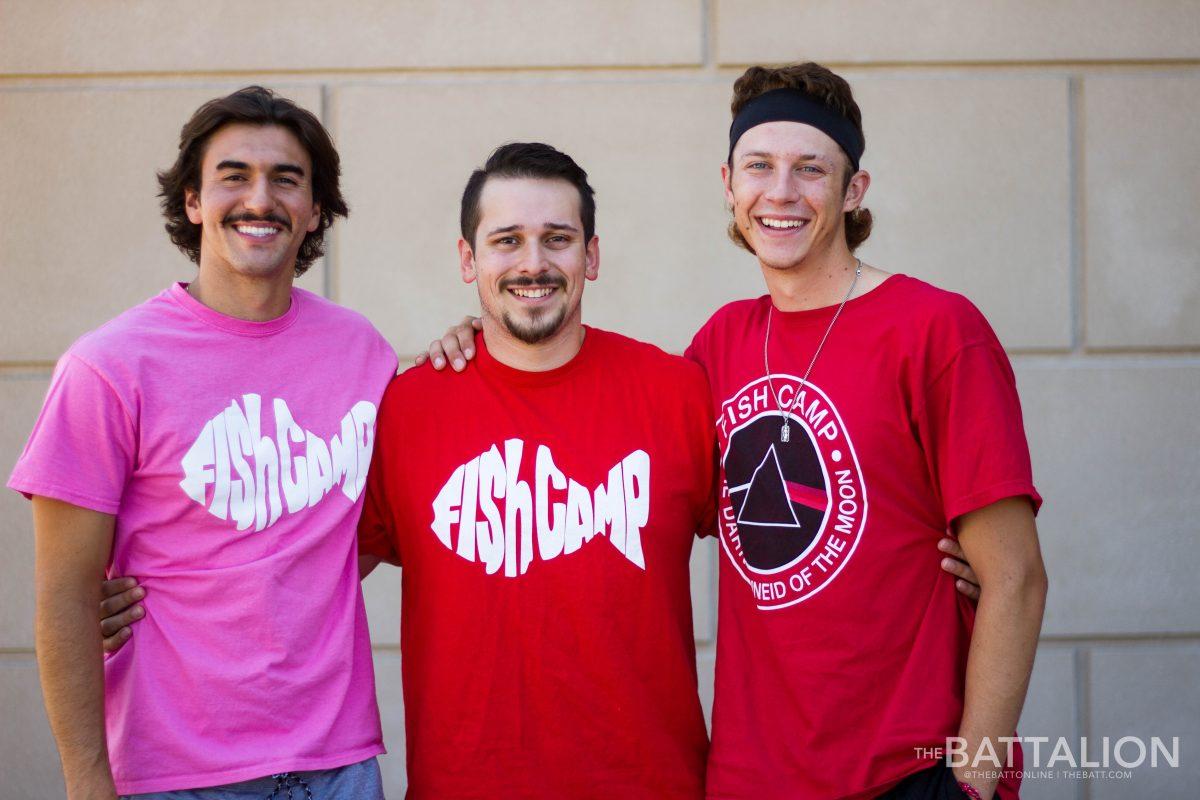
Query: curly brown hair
column 824, row 85
column 253, row 105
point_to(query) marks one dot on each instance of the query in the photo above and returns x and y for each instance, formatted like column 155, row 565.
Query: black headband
column 793, row 105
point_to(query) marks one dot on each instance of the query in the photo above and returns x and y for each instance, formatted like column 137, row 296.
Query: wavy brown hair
column 253, row 105
column 825, row 85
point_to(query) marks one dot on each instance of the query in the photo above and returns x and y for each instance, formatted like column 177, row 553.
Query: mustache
column 233, row 219
column 525, row 282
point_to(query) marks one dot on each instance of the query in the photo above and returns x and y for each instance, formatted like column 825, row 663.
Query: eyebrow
column 293, row 169
column 801, row 157
column 554, row 226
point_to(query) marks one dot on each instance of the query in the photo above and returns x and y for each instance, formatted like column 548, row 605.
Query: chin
column 537, row 328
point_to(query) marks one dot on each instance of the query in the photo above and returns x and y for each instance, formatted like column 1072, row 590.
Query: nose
column 784, row 187
column 259, row 198
column 536, row 260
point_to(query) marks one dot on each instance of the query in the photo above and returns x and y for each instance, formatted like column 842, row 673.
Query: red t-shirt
column 842, row 644
column 544, row 522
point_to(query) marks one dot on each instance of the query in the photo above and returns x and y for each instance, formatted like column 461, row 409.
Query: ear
column 466, row 261
column 315, row 220
column 727, row 181
column 591, row 259
column 856, row 191
column 191, row 205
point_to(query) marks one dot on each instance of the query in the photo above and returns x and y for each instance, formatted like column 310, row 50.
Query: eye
column 505, row 240
column 234, row 177
column 758, row 165
column 812, row 169
column 287, row 181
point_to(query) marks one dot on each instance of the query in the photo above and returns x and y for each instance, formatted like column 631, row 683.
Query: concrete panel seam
column 329, row 260
column 237, row 74
column 24, row 371
column 1083, row 709
column 838, row 66
column 708, row 35
column 1076, row 197
column 1107, row 360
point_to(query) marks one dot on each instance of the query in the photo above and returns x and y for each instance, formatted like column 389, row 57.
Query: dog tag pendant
column 785, row 433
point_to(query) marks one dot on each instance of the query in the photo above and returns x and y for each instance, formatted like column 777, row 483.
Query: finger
column 117, row 585
column 957, row 568
column 421, row 358
column 114, row 643
column 120, row 602
column 476, row 323
column 968, row 589
column 466, row 340
column 112, row 625
column 952, row 548
column 436, row 354
column 453, row 350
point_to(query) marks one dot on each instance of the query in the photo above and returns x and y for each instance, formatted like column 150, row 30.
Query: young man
column 546, row 623
column 846, row 390
column 214, row 442
column 844, row 657
column 539, row 662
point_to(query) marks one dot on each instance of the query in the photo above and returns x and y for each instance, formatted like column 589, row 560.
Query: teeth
column 781, row 223
column 254, row 230
column 539, row 292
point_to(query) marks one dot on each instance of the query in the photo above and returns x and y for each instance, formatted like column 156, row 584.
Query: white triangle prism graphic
column 768, row 477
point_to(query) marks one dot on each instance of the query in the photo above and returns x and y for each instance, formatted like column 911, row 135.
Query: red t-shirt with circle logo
column 842, row 645
column 544, row 521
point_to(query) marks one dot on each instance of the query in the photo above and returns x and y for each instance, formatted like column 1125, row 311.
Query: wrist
column 970, row 786
column 95, row 783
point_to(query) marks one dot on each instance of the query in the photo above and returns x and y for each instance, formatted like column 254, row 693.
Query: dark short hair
column 253, row 105
column 824, row 85
column 527, row 160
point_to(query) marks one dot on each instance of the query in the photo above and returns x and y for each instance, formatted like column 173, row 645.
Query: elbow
column 1022, row 588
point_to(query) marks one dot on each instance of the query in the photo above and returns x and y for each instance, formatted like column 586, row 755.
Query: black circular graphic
column 777, row 491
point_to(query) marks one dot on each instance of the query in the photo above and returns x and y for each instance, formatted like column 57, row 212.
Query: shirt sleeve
column 973, row 433
column 83, row 448
column 376, row 527
column 702, row 438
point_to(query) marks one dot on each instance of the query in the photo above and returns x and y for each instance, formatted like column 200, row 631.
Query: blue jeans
column 359, row 781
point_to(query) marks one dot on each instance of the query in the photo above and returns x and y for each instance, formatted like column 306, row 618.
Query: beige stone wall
column 1041, row 157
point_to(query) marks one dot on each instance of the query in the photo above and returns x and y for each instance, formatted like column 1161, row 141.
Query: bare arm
column 1001, row 543
column 71, row 551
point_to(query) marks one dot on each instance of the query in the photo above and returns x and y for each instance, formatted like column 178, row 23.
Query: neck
column 548, row 354
column 241, row 297
column 816, row 282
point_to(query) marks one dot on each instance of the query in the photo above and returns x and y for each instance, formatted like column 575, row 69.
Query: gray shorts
column 359, row 781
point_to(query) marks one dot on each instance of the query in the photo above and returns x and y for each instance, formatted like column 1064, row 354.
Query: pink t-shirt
column 234, row 455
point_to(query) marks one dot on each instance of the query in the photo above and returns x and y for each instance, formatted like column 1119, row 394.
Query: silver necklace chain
column 785, row 433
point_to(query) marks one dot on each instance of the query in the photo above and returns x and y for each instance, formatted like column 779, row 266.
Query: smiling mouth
column 780, row 224
column 533, row 292
column 257, row 231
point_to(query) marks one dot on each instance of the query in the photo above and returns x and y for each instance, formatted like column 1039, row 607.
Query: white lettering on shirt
column 556, row 512
column 256, row 477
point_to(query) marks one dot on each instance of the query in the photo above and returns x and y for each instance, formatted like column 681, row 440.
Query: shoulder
column 734, row 313
column 107, row 347
column 423, row 387
column 328, row 311
column 645, row 357
column 943, row 316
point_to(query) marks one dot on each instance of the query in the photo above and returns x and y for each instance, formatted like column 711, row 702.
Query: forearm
column 998, row 666
column 72, row 547
column 72, row 675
